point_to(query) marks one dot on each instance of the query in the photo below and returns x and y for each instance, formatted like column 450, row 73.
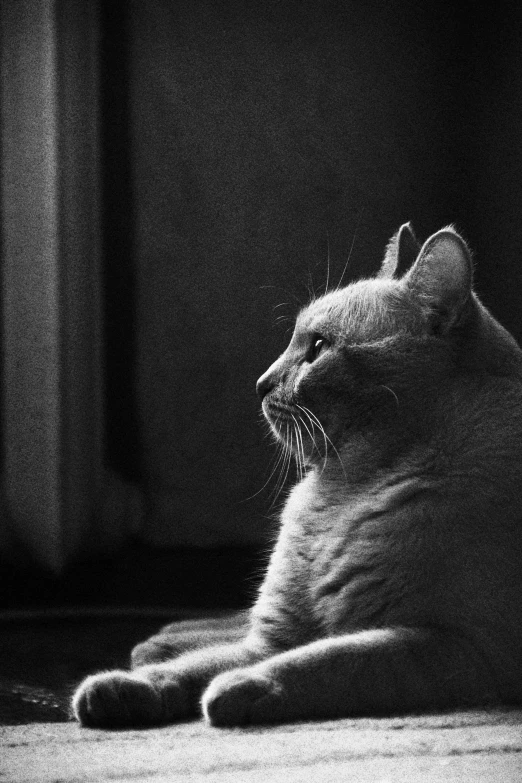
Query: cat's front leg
column 368, row 673
column 179, row 637
column 157, row 693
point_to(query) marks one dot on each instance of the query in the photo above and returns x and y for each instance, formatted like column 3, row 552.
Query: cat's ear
column 441, row 278
column 401, row 252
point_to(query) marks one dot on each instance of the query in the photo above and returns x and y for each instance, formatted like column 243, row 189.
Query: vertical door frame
column 55, row 488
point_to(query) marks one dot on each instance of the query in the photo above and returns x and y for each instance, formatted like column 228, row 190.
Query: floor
column 471, row 747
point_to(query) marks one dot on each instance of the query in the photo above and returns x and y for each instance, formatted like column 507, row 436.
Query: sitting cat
column 396, row 581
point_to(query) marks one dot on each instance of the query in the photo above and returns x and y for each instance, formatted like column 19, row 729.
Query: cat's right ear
column 401, row 252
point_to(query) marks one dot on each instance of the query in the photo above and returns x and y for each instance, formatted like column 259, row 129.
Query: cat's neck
column 366, row 460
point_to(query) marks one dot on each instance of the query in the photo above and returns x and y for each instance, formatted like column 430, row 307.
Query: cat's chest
column 351, row 551
column 326, row 525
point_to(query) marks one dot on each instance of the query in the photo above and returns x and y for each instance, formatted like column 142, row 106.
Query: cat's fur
column 396, row 581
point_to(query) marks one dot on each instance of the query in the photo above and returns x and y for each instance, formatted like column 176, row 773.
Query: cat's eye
column 318, row 346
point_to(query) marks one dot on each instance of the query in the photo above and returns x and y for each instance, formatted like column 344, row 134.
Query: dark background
column 247, row 142
column 246, row 146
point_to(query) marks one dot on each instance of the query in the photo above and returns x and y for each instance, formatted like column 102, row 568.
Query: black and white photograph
column 260, row 391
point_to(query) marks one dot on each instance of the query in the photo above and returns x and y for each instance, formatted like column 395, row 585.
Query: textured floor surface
column 41, row 662
column 473, row 746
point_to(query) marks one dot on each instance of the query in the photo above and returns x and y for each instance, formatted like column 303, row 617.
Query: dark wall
column 266, row 138
column 490, row 192
column 123, row 443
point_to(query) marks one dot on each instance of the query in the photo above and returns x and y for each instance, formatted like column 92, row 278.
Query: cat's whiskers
column 289, row 453
column 303, row 458
column 323, row 433
column 297, row 454
column 278, row 460
column 313, row 418
column 300, row 459
column 310, row 432
column 283, row 291
column 287, row 450
column 312, row 437
column 282, row 319
column 281, row 464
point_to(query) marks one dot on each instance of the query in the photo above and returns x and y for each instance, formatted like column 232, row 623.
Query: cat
column 395, row 584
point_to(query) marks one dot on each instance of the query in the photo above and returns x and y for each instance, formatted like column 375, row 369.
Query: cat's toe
column 116, row 700
column 240, row 697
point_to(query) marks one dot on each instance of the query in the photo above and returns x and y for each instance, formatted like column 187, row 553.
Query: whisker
column 391, row 392
column 351, row 249
column 310, row 288
column 284, row 291
column 327, row 262
column 303, row 457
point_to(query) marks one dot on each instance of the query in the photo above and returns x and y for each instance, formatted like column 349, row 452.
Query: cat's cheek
column 242, row 697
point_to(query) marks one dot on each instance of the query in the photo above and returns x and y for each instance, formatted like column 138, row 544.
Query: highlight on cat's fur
column 396, row 581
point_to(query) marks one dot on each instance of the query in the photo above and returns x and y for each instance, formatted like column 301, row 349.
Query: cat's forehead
column 367, row 309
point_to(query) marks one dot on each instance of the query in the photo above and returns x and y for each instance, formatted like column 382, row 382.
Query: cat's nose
column 264, row 385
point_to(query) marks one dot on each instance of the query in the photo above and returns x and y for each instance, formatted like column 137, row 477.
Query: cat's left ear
column 401, row 252
column 441, row 278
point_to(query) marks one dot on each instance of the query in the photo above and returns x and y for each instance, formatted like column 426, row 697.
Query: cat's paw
column 117, row 699
column 242, row 696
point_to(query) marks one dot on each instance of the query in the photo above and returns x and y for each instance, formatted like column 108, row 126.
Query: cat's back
column 480, row 435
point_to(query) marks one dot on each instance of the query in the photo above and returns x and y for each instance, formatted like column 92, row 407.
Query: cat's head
column 368, row 358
